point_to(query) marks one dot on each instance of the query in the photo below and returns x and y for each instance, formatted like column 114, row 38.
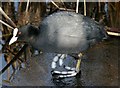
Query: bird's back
column 68, row 32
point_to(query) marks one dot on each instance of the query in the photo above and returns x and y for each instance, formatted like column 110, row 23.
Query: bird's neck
column 33, row 34
column 33, row 31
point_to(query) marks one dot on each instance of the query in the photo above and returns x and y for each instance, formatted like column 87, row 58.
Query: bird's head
column 25, row 33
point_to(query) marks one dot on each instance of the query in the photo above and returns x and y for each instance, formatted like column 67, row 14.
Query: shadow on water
column 99, row 68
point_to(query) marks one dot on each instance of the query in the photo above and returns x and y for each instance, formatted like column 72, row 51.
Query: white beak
column 14, row 38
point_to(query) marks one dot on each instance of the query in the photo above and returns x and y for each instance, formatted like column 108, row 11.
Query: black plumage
column 63, row 32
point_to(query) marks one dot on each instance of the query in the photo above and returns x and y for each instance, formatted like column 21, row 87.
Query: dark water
column 99, row 68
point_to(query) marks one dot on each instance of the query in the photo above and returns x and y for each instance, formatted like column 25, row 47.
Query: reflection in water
column 99, row 67
column 72, row 81
column 0, row 69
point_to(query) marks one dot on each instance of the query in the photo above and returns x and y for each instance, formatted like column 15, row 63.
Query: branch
column 13, row 54
column 27, row 6
column 5, row 15
column 63, row 4
column 14, row 59
column 77, row 6
column 55, row 4
column 6, row 24
column 84, row 7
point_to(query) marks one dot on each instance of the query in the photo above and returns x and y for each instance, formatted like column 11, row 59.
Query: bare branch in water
column 6, row 24
column 63, row 4
column 5, row 15
column 77, row 6
column 55, row 4
column 14, row 59
column 84, row 7
column 13, row 54
column 27, row 6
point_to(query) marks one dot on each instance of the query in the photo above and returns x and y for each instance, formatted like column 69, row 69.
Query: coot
column 63, row 32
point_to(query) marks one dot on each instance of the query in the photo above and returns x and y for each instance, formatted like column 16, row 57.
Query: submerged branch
column 13, row 53
column 14, row 59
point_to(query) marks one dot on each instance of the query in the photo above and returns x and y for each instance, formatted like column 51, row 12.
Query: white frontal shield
column 14, row 38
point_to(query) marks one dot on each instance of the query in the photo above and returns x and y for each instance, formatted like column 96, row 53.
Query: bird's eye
column 18, row 34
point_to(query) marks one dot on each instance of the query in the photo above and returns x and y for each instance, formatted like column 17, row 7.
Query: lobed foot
column 71, row 72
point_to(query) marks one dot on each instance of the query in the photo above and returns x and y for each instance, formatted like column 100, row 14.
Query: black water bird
column 64, row 33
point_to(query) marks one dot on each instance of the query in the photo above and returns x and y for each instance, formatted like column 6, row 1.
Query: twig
column 4, row 35
column 27, row 6
column 99, row 6
column 113, row 33
column 55, row 4
column 63, row 4
column 67, row 9
column 14, row 59
column 84, row 7
column 12, row 75
column 26, row 11
column 6, row 24
column 7, row 82
column 13, row 54
column 77, row 6
column 5, row 15
column 8, row 70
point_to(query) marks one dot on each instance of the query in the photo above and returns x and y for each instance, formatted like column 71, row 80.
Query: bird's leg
column 78, row 63
column 78, row 58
